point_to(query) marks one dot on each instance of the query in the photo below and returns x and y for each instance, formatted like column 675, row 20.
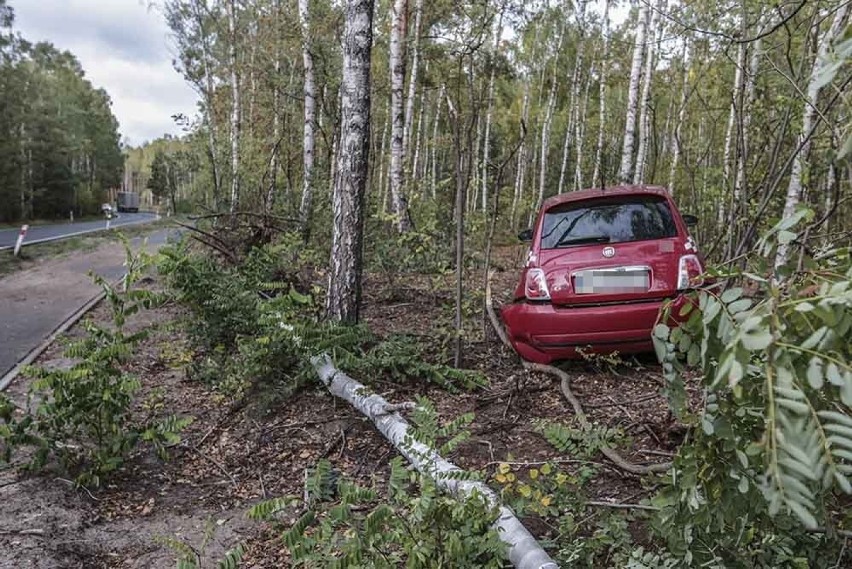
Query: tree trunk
column 486, row 151
column 308, row 140
column 344, row 288
column 625, row 172
column 800, row 164
column 681, row 117
column 573, row 113
column 276, row 120
column 522, row 156
column 548, row 121
column 412, row 81
column 382, row 184
column 580, row 133
column 208, row 111
column 648, row 77
column 730, row 145
column 397, row 72
column 435, row 124
column 524, row 552
column 597, row 176
column 236, row 121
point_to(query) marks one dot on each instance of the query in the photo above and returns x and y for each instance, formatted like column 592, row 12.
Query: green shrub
column 83, row 414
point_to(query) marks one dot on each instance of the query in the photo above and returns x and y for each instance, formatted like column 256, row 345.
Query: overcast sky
column 124, row 48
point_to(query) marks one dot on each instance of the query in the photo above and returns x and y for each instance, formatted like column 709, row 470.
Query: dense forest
column 359, row 181
column 59, row 142
column 738, row 107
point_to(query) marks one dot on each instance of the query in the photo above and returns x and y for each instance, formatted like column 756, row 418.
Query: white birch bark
column 486, row 152
column 308, row 137
column 625, row 172
column 647, row 80
column 800, row 164
column 681, row 117
column 344, row 288
column 524, row 550
column 434, row 159
column 580, row 133
column 418, row 137
column 597, row 177
column 397, row 73
column 522, row 155
column 412, row 81
column 208, row 104
column 548, row 121
column 236, row 119
column 573, row 112
column 276, row 125
column 730, row 145
column 383, row 186
column 754, row 66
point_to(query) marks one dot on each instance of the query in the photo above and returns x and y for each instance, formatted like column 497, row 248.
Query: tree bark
column 486, row 151
column 580, row 133
column 681, row 117
column 523, row 551
column 573, row 112
column 308, row 137
column 625, row 172
column 208, row 103
column 236, row 119
column 798, row 174
column 412, row 81
column 648, row 77
column 344, row 289
column 397, row 72
column 548, row 121
column 597, row 176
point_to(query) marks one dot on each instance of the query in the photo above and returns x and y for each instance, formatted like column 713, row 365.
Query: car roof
column 623, row 190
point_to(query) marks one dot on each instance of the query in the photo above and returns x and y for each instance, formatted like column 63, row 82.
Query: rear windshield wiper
column 581, row 240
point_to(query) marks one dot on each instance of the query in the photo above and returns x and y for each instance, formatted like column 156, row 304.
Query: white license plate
column 611, row 281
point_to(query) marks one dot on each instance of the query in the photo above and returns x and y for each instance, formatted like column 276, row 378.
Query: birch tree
column 236, row 118
column 798, row 175
column 308, row 138
column 647, row 80
column 597, row 177
column 344, row 287
column 625, row 172
column 548, row 121
column 397, row 73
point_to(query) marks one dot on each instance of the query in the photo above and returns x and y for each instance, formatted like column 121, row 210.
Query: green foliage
column 416, row 527
column 771, row 448
column 190, row 558
column 580, row 443
column 59, row 141
column 83, row 414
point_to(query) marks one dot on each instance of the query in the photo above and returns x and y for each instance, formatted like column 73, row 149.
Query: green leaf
column 785, row 237
column 739, row 305
column 731, row 295
column 661, row 331
column 814, row 373
column 832, row 372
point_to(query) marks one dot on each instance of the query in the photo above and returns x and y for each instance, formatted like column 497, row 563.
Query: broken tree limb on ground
column 524, row 550
column 565, row 385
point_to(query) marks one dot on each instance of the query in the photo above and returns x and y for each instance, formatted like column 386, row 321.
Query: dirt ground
column 234, row 455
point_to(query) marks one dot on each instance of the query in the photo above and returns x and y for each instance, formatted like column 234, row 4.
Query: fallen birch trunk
column 524, row 550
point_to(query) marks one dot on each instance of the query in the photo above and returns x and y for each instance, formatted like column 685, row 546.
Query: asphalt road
column 60, row 230
column 34, row 302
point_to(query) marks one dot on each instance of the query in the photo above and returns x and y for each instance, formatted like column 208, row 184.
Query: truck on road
column 127, row 201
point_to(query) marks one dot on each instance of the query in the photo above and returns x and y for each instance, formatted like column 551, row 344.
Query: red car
column 601, row 264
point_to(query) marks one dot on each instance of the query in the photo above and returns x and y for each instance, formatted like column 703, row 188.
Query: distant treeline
column 59, row 141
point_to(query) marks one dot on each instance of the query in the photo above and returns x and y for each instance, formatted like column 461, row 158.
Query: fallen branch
column 524, row 550
column 565, row 385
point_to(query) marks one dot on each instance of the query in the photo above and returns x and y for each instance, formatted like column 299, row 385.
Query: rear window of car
column 634, row 218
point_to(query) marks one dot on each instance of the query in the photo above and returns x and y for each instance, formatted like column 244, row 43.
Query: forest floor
column 234, row 455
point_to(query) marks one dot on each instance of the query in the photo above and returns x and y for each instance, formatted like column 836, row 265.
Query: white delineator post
column 20, row 241
column 524, row 551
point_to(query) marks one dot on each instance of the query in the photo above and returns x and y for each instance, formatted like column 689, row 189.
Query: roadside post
column 21, row 234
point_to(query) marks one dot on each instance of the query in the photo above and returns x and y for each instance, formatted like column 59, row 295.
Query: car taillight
column 689, row 272
column 536, row 285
